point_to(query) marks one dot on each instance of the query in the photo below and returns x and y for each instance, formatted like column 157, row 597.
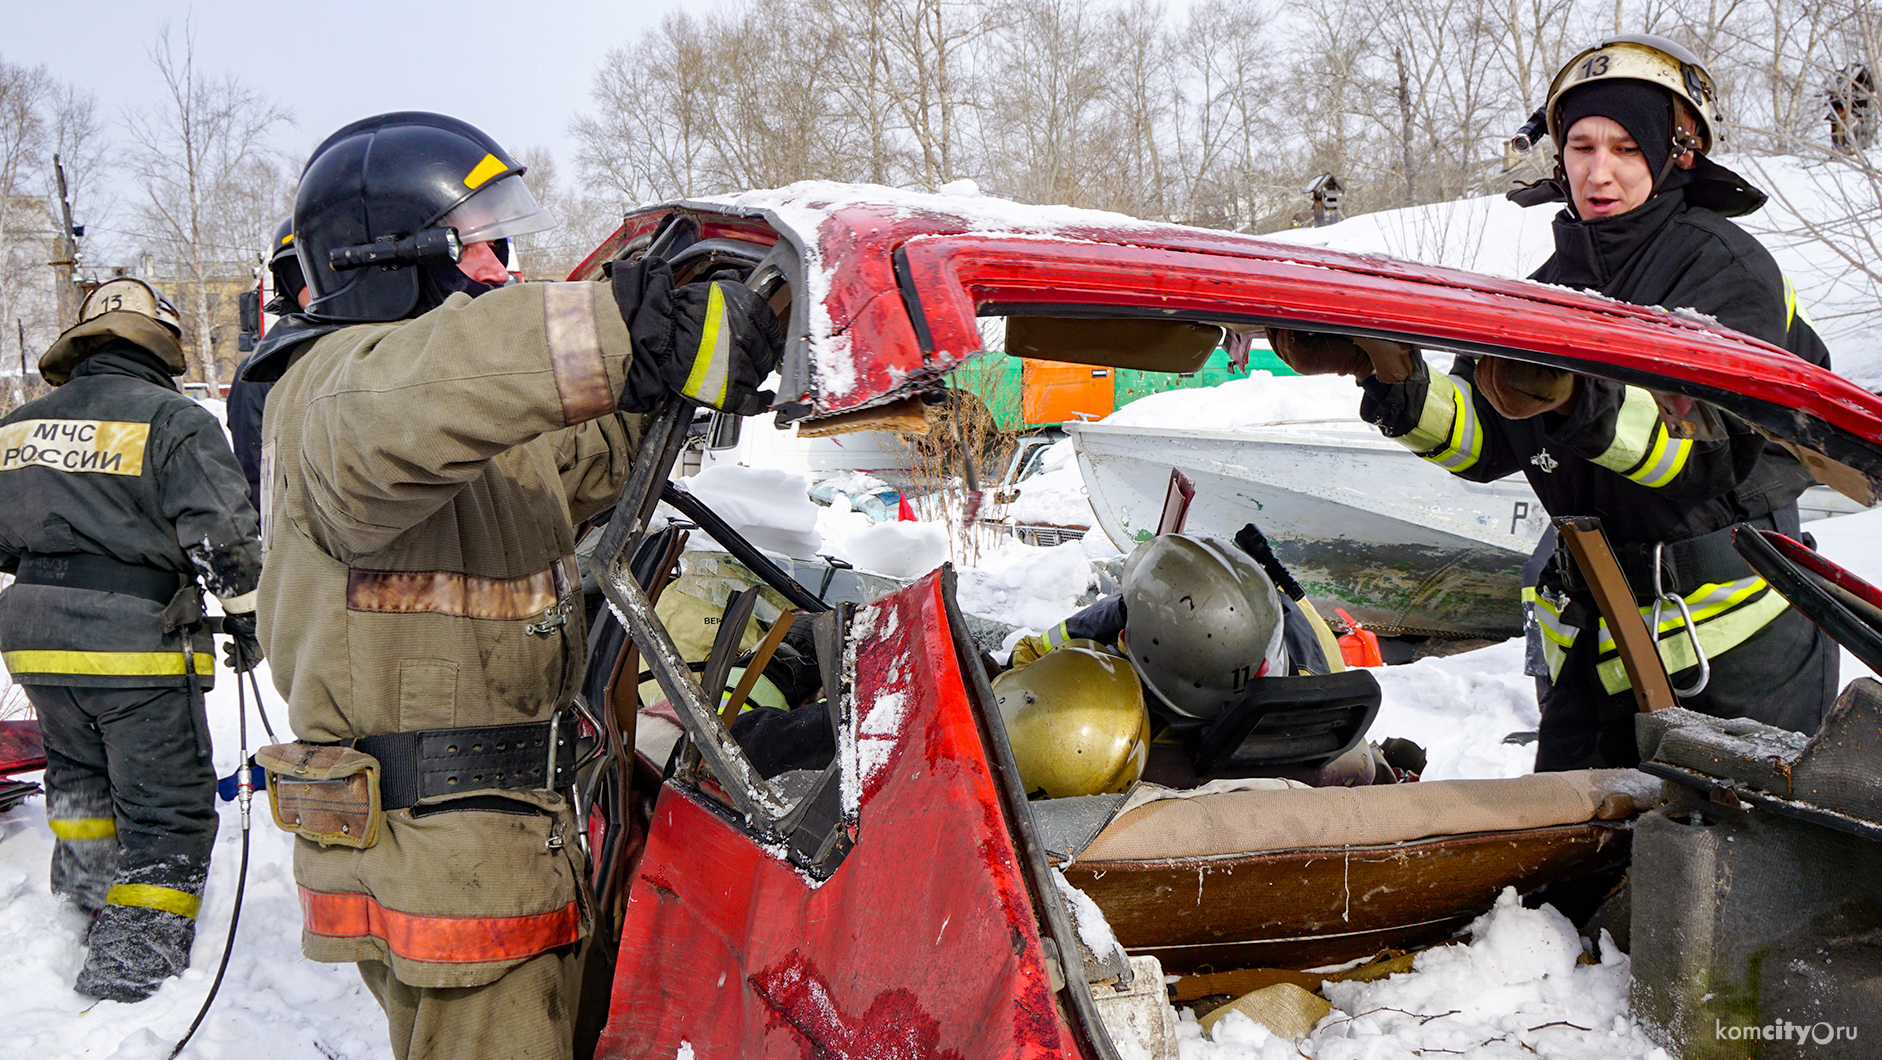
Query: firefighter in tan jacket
column 428, row 451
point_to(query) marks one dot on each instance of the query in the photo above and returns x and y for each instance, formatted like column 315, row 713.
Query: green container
column 995, row 378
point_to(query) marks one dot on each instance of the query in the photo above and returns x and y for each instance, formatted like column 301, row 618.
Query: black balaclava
column 437, row 282
column 1645, row 110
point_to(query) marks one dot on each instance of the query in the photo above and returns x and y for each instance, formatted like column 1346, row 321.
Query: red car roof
column 896, row 282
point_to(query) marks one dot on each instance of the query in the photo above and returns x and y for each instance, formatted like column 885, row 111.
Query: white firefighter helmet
column 1202, row 619
column 1076, row 722
column 123, row 308
column 1641, row 57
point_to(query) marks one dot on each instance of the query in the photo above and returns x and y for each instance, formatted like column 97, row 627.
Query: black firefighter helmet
column 285, row 266
column 386, row 196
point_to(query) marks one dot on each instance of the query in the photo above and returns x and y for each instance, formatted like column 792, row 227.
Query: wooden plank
column 1638, row 650
column 1308, row 908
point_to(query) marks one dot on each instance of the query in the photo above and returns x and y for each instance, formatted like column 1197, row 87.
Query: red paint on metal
column 928, row 918
column 894, row 1027
column 21, row 748
column 1319, row 287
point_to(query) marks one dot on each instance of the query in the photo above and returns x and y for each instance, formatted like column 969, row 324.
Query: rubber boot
column 133, row 950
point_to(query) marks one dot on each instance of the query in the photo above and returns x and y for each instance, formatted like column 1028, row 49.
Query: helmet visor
column 498, row 211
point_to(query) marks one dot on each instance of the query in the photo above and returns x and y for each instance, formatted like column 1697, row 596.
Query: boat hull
column 1401, row 544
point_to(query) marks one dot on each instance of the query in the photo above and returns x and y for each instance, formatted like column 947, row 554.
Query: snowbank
column 899, row 550
column 772, row 508
column 1260, row 398
column 1055, row 494
column 272, row 995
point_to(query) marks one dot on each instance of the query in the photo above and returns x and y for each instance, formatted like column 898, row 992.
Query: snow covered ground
column 1514, row 991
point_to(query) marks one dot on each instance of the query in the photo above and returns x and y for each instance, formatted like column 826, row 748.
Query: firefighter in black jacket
column 120, row 494
column 1645, row 223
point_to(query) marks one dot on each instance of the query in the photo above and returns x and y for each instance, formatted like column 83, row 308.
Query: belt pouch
column 328, row 793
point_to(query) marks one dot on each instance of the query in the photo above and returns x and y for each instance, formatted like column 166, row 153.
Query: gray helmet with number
column 123, row 308
column 1202, row 620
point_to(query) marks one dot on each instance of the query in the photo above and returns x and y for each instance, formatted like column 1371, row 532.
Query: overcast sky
column 519, row 70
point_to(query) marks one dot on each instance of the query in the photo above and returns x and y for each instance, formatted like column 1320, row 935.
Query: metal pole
column 68, row 255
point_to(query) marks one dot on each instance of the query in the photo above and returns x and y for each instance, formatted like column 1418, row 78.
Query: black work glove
column 1394, row 408
column 711, row 343
column 243, row 651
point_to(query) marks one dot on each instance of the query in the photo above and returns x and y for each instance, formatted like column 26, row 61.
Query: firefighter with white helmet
column 1635, row 119
column 121, row 493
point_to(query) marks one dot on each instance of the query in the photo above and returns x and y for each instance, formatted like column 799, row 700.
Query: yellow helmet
column 1076, row 721
column 1641, row 57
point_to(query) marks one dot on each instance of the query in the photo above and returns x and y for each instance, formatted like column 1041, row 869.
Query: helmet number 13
column 1596, row 66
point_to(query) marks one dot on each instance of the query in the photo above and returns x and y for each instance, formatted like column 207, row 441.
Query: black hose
column 241, row 875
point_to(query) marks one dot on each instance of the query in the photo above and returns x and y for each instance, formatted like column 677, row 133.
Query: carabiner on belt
column 1661, row 596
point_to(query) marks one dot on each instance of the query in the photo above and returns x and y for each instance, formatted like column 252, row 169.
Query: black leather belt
column 84, row 570
column 429, row 762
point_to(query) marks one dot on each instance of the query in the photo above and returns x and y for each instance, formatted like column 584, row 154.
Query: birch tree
column 212, row 184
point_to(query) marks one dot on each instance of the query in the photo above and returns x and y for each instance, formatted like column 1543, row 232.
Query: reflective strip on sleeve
column 574, row 339
column 1642, row 450
column 1558, row 636
column 707, row 380
column 1724, row 615
column 1057, row 636
column 439, row 939
column 79, row 829
column 1448, row 433
column 149, row 896
column 105, row 663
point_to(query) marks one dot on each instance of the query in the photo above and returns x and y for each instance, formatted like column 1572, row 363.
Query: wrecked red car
column 906, row 899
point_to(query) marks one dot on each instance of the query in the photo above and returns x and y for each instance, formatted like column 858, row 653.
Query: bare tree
column 1046, row 110
column 23, row 141
column 585, row 219
column 213, row 184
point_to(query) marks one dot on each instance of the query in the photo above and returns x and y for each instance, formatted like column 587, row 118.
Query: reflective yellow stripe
column 1642, row 449
column 706, row 382
column 150, row 896
column 1793, row 308
column 1717, row 637
column 1549, row 620
column 1448, row 433
column 1435, row 419
column 1557, row 636
column 1057, row 636
column 72, row 829
column 1466, row 442
column 105, row 663
column 1705, row 602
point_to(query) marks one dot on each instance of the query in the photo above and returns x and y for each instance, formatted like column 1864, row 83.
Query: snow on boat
column 1402, row 545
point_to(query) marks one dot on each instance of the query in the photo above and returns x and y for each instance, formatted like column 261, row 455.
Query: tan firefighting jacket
column 420, row 482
